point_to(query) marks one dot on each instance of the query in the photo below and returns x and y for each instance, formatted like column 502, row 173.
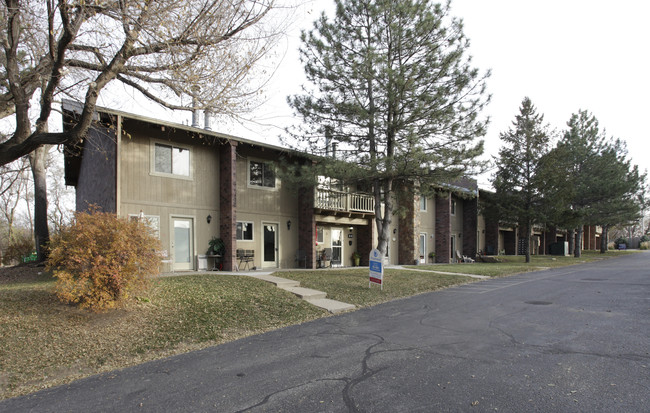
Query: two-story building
column 192, row 184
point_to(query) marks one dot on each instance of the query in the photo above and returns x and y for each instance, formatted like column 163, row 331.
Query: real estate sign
column 376, row 268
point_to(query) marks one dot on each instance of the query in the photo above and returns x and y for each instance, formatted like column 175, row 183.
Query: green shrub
column 100, row 260
column 645, row 245
column 644, row 238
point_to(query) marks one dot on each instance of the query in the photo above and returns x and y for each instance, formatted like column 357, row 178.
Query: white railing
column 343, row 201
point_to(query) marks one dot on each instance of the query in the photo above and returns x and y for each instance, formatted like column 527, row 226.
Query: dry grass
column 351, row 285
column 45, row 343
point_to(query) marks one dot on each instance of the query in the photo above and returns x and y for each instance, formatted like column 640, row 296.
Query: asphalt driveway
column 573, row 339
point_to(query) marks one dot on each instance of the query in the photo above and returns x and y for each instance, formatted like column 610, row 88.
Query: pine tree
column 394, row 87
column 518, row 196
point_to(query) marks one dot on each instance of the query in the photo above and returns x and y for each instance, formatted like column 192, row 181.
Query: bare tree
column 181, row 54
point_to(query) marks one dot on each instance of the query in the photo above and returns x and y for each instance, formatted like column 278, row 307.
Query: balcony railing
column 343, row 201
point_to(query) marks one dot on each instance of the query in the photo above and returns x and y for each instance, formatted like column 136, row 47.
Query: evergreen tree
column 595, row 183
column 394, row 87
column 517, row 184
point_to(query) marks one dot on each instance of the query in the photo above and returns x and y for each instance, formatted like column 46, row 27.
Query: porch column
column 307, row 225
column 228, row 203
column 470, row 226
column 443, row 228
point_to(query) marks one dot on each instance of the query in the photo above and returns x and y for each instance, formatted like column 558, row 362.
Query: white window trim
column 453, row 207
column 423, row 198
column 152, row 160
column 252, row 231
column 248, row 175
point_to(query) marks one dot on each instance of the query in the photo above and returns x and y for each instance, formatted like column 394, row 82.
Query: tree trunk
column 527, row 243
column 383, row 222
column 604, row 239
column 571, row 235
column 41, row 232
column 578, row 251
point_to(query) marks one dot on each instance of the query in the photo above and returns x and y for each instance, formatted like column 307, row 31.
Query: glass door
column 270, row 245
column 337, row 247
column 423, row 248
column 182, row 245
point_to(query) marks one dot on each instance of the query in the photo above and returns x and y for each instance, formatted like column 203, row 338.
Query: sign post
column 376, row 268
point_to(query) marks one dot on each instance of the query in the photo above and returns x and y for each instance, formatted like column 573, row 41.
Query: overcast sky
column 565, row 55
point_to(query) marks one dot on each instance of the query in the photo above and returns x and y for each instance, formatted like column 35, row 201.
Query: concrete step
column 332, row 306
column 277, row 281
column 305, row 293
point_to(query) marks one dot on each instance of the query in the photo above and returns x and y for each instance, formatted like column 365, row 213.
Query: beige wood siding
column 164, row 196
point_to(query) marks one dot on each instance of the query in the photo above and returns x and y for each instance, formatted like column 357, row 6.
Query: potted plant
column 217, row 246
column 432, row 257
column 356, row 258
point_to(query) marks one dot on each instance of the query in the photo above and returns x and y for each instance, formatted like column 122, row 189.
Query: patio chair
column 327, row 257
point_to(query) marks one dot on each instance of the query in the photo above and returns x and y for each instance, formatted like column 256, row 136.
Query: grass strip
column 351, row 285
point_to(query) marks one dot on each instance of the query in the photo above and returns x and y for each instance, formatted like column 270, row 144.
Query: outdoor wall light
column 288, row 224
column 394, row 230
column 209, row 218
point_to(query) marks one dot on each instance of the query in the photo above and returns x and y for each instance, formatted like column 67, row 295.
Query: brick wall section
column 550, row 237
column 409, row 228
column 590, row 238
column 470, row 223
column 97, row 184
column 443, row 228
column 510, row 242
column 365, row 238
column 228, row 203
column 491, row 238
column 307, row 225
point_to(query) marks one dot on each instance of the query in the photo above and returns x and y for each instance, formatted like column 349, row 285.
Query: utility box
column 202, row 262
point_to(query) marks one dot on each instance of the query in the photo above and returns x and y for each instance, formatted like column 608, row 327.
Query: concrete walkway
column 314, row 297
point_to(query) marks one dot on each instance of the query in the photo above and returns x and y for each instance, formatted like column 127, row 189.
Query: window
column 423, row 203
column 261, row 174
column 244, row 231
column 171, row 160
column 319, row 235
column 453, row 207
column 152, row 221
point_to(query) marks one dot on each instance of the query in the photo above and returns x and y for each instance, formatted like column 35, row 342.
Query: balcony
column 340, row 201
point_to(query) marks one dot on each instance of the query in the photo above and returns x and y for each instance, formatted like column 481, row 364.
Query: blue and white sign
column 376, row 268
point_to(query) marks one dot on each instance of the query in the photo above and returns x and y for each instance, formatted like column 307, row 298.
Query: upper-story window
column 261, row 174
column 171, row 160
column 423, row 203
column 453, row 207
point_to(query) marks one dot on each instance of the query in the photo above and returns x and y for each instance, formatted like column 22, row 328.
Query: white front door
column 270, row 247
column 337, row 247
column 182, row 244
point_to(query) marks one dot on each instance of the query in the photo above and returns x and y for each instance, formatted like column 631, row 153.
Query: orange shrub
column 100, row 259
